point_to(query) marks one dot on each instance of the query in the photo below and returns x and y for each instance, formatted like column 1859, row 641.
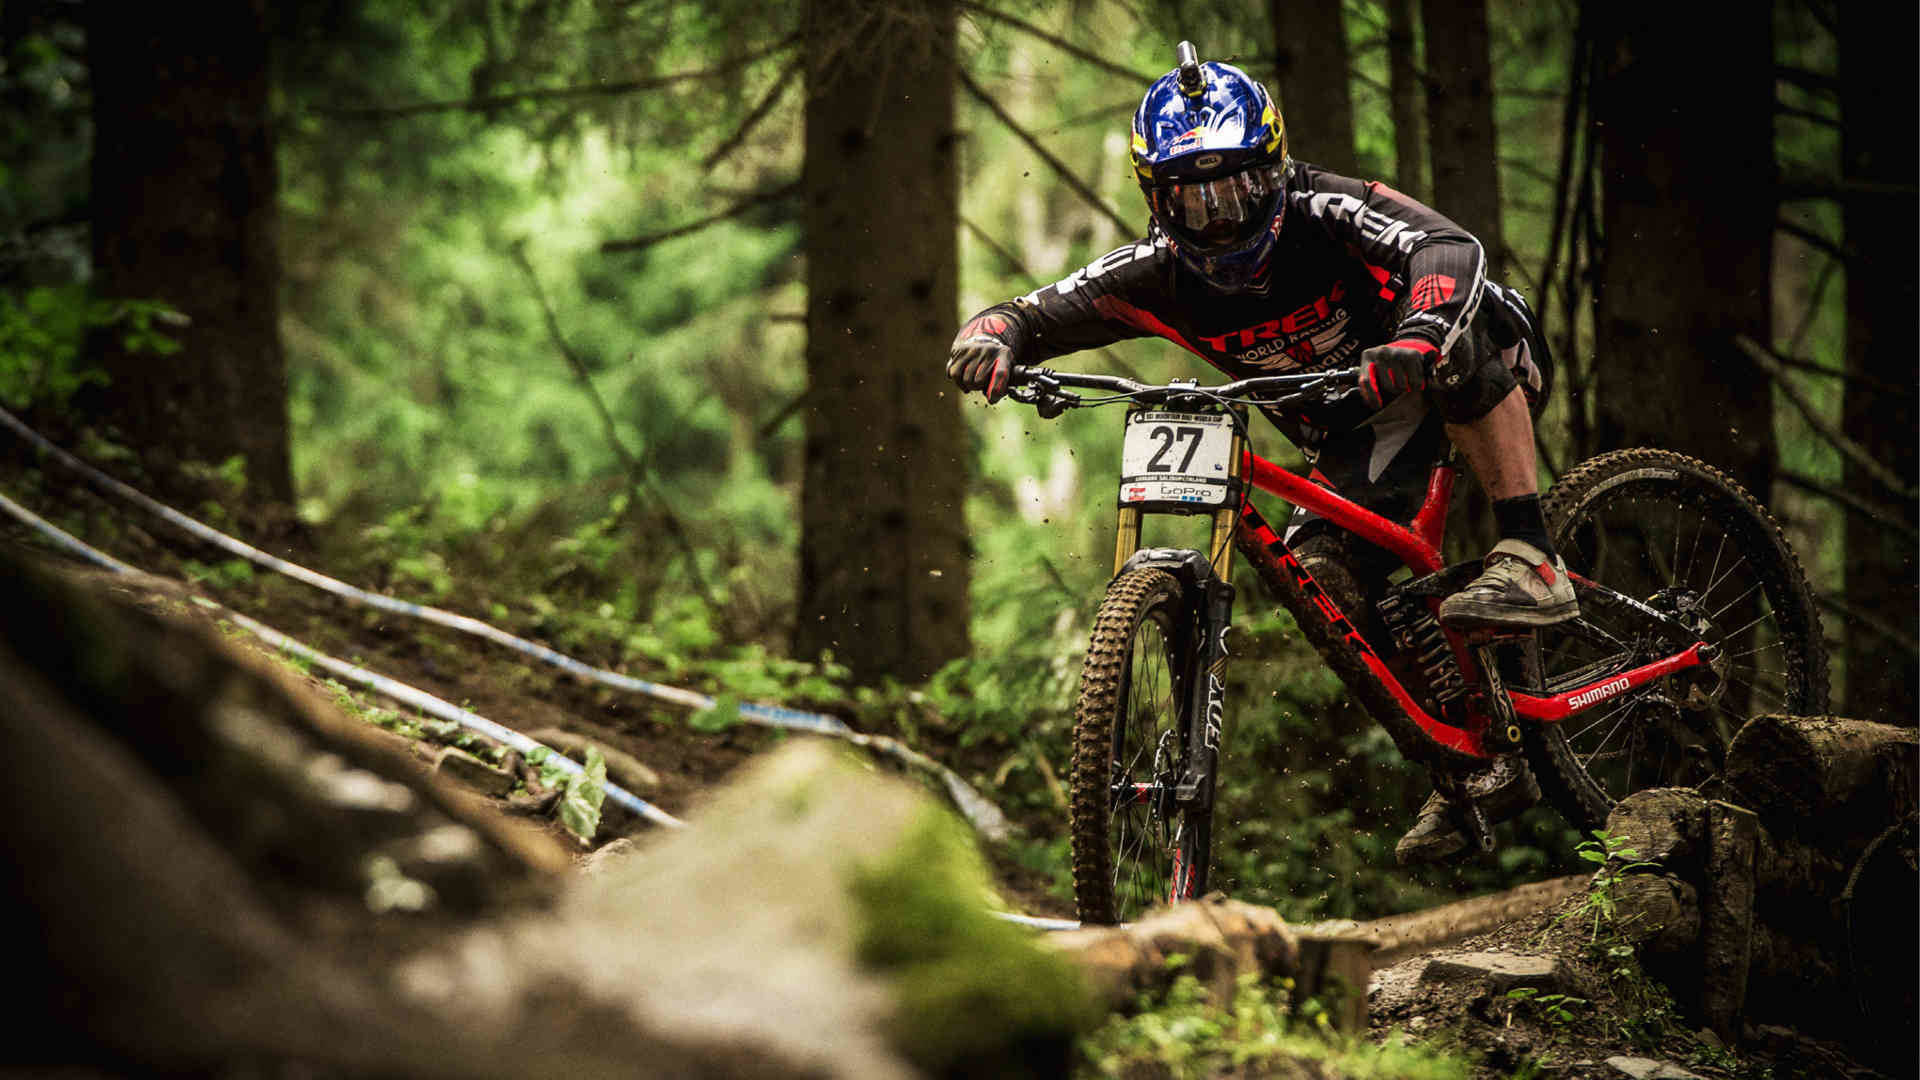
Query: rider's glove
column 980, row 361
column 1387, row 371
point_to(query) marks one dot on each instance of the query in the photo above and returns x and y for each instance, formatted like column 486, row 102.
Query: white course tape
column 391, row 688
column 984, row 815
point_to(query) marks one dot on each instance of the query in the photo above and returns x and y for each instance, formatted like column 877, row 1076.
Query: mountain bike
column 1694, row 616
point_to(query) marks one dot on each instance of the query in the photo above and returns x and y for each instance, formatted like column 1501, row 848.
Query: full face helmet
column 1210, row 152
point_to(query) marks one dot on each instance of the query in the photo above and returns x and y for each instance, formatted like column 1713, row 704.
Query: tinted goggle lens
column 1220, row 212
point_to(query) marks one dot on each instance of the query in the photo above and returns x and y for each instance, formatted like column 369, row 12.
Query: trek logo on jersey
column 1304, row 318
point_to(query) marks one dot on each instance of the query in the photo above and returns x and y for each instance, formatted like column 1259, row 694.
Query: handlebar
column 1046, row 390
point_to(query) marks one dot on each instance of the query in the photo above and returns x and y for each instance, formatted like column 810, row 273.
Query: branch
column 1807, row 317
column 1797, row 188
column 759, row 112
column 561, row 93
column 1814, row 240
column 1807, row 80
column 1529, row 92
column 1782, row 109
column 1854, row 616
column 1878, row 386
column 1067, row 176
column 746, row 203
column 1575, row 100
column 1526, row 167
column 1057, row 42
column 1874, row 512
column 1013, row 261
column 1853, row 451
column 637, row 476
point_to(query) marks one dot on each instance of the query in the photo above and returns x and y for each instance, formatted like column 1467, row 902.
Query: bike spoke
column 1615, row 729
column 1715, row 583
column 1751, row 589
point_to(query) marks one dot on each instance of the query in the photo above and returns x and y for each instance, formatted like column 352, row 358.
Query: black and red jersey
column 1347, row 251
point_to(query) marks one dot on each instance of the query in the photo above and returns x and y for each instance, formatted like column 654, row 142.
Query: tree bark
column 184, row 188
column 883, row 572
column 1687, row 203
column 1312, row 76
column 1403, row 99
column 1460, row 132
column 1877, row 147
column 1844, row 779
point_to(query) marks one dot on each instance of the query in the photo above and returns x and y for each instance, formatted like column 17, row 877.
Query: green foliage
column 43, row 329
column 976, row 994
column 721, row 715
column 226, row 574
column 1555, row 1009
column 1259, row 1032
column 581, row 799
column 1615, row 860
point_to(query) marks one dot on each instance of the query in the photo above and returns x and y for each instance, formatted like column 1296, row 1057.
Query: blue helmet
column 1210, row 152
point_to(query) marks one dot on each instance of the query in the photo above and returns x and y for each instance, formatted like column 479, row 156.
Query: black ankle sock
column 1519, row 518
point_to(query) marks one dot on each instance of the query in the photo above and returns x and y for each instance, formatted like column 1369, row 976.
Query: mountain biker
column 1260, row 264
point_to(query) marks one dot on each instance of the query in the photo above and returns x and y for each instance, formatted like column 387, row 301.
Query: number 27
column 1168, row 435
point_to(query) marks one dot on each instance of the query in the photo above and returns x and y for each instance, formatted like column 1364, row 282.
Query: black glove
column 1387, row 371
column 980, row 361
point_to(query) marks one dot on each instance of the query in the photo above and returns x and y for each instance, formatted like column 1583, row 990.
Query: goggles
column 1221, row 213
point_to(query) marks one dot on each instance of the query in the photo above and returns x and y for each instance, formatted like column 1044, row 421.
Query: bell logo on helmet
column 1207, row 161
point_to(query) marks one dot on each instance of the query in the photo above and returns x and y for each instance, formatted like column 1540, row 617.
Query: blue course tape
column 984, row 816
column 394, row 689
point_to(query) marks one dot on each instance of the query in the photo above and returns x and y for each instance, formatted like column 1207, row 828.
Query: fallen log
column 1221, row 939
column 1832, row 782
column 1397, row 936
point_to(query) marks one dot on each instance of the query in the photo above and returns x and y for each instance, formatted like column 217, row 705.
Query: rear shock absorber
column 1417, row 634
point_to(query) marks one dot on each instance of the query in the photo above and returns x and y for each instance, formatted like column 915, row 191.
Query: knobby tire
column 1664, row 528
column 1125, row 853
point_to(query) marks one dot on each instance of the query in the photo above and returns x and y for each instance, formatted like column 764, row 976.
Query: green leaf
column 721, row 715
column 586, row 791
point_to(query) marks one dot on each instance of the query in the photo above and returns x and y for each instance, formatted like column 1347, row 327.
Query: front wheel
column 1134, row 846
column 1688, row 541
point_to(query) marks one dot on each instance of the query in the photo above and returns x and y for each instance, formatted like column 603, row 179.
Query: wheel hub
column 1697, row 687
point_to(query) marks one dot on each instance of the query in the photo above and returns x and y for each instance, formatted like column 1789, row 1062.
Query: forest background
column 622, row 326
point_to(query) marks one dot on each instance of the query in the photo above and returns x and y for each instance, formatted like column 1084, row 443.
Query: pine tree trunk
column 1460, row 132
column 184, row 211
column 1687, row 204
column 883, row 572
column 1403, row 99
column 1311, row 73
column 1466, row 182
column 1877, row 144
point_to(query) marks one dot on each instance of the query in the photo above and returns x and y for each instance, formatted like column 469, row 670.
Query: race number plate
column 1174, row 457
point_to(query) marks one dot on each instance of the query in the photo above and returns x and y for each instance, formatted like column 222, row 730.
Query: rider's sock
column 1520, row 518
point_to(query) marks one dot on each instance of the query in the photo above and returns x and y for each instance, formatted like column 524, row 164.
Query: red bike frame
column 1419, row 548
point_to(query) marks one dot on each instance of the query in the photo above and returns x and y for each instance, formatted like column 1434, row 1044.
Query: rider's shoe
column 1520, row 589
column 1501, row 790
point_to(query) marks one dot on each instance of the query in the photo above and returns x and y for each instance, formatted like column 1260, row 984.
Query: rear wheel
column 1133, row 845
column 1687, row 541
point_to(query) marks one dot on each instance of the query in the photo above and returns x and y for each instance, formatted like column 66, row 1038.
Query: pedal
column 1503, row 726
column 1473, row 822
column 1466, row 813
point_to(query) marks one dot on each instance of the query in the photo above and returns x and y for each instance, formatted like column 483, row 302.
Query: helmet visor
column 1221, row 213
